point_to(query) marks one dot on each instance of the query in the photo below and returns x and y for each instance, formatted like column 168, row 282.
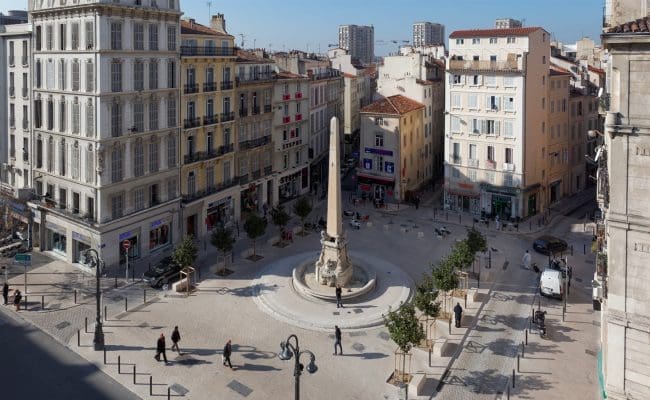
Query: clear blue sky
column 293, row 24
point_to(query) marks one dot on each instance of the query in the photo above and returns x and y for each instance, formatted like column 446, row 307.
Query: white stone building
column 359, row 41
column 428, row 33
column 106, row 127
column 496, row 120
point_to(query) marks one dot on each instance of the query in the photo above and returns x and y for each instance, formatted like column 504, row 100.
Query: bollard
column 430, row 351
column 169, row 393
column 78, row 338
column 513, row 377
column 42, row 302
column 133, row 274
column 465, row 300
column 460, row 218
column 86, row 325
column 513, row 371
column 508, row 393
column 523, row 350
column 145, row 295
column 116, row 281
column 150, row 385
column 518, row 369
column 104, row 355
column 478, row 280
column 119, row 364
column 526, row 336
column 450, row 325
column 572, row 250
column 584, row 248
column 126, row 304
column 75, row 296
column 105, row 313
column 530, row 225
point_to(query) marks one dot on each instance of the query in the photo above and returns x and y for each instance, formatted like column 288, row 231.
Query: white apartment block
column 427, row 34
column 359, row 41
column 106, row 127
column 495, row 107
column 420, row 78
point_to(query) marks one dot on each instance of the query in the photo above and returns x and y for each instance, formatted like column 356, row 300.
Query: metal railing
column 211, row 119
column 267, row 108
column 253, row 143
column 191, row 88
column 253, row 78
column 226, row 117
column 227, row 85
column 483, row 65
column 191, row 122
column 210, row 86
column 207, row 51
column 210, row 190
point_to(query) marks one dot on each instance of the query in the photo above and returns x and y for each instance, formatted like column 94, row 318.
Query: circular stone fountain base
column 304, row 281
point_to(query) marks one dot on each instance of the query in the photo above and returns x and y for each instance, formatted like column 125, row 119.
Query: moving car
column 549, row 244
column 164, row 272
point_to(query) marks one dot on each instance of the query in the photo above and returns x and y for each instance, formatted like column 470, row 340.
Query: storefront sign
column 367, row 163
column 80, row 238
column 54, row 227
column 510, row 191
column 219, row 202
column 381, row 152
column 129, row 234
column 389, row 167
column 155, row 224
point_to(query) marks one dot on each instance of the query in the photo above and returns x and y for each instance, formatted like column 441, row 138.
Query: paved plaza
column 255, row 308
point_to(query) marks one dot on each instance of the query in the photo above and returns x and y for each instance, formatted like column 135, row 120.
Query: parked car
column 551, row 284
column 355, row 223
column 164, row 272
column 549, row 244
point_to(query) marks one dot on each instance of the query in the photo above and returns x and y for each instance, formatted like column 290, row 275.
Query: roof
column 393, row 105
column 596, row 70
column 555, row 71
column 636, row 26
column 289, row 75
column 249, row 57
column 494, row 32
column 194, row 28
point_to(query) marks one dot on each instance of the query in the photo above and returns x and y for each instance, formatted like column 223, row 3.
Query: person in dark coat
column 227, row 351
column 17, row 298
column 160, row 348
column 176, row 337
column 458, row 314
column 5, row 293
column 337, row 340
column 339, row 291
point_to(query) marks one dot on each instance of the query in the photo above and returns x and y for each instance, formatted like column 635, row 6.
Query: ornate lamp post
column 288, row 350
column 98, row 263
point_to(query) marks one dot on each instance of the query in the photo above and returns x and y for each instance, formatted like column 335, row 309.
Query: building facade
column 359, row 41
column 209, row 190
column 391, row 143
column 496, row 121
column 428, row 34
column 105, row 128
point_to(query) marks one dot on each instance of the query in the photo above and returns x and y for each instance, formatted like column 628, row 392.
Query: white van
column 551, row 283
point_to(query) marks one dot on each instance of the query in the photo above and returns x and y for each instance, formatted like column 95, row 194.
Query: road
column 35, row 366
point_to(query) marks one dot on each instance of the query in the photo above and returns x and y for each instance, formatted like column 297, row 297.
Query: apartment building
column 427, row 34
column 584, row 117
column 254, row 157
column 391, row 143
column 495, row 126
column 420, row 77
column 105, row 128
column 209, row 190
column 290, row 136
column 359, row 41
column 557, row 175
column 623, row 192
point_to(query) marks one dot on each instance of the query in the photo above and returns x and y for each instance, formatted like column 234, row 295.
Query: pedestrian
column 176, row 337
column 17, row 298
column 338, row 296
column 337, row 340
column 526, row 260
column 458, row 314
column 417, row 202
column 160, row 348
column 227, row 351
column 497, row 222
column 5, row 293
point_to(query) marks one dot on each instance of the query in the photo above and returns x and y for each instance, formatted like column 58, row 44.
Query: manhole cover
column 384, row 335
column 179, row 389
column 240, row 388
column 62, row 325
column 358, row 333
column 358, row 310
column 336, row 313
column 358, row 347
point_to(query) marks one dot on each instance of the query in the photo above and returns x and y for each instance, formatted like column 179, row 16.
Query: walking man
column 160, row 348
column 17, row 298
column 227, row 351
column 526, row 260
column 337, row 340
column 5, row 293
column 176, row 337
column 458, row 314
column 338, row 296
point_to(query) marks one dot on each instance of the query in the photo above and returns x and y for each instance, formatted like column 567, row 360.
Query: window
column 62, row 74
column 455, row 124
column 116, row 36
column 116, row 76
column 508, row 155
column 153, row 157
column 493, row 103
column 471, row 174
column 75, row 35
column 379, row 140
column 138, row 116
column 493, row 40
column 171, row 38
column 457, row 79
column 455, row 100
column 74, row 171
column 476, row 126
column 39, row 37
column 138, row 199
column 508, row 180
column 476, row 80
column 62, row 157
column 138, row 76
column 171, row 151
column 490, row 153
column 543, row 127
column 76, row 116
column 49, row 37
column 38, row 74
column 191, row 183
column 153, row 37
column 552, row 106
column 509, row 103
column 511, row 40
column 90, row 119
column 153, row 74
column 171, row 74
column 456, row 153
column 62, row 36
column 38, row 110
column 138, row 159
column 138, row 36
column 490, row 80
column 116, row 165
column 171, row 112
column 508, row 81
column 508, row 129
column 90, row 35
column 460, row 41
column 543, row 59
column 491, row 127
column 154, row 197
column 153, row 115
column 76, row 75
column 476, row 41
column 116, row 120
column 62, row 115
column 90, row 76
column 543, row 103
column 472, row 152
column 117, row 206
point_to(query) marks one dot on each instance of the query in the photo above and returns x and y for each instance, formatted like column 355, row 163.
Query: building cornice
column 109, row 10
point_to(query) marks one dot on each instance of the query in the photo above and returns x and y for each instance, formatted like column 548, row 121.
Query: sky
column 310, row 25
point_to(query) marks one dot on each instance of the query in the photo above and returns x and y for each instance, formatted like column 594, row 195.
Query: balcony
column 298, row 117
column 226, row 85
column 253, row 143
column 225, row 149
column 211, row 119
column 210, row 190
column 286, row 120
column 484, row 66
column 473, row 162
column 255, row 110
column 508, row 167
column 207, row 51
column 256, row 174
column 456, row 160
column 298, row 95
column 490, row 164
column 198, row 156
column 191, row 122
column 227, row 116
column 243, row 79
column 191, row 88
column 286, row 96
column 210, row 87
column 267, row 108
column 243, row 179
column 243, row 112
column 268, row 170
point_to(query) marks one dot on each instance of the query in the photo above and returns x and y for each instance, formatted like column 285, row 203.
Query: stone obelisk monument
column 333, row 266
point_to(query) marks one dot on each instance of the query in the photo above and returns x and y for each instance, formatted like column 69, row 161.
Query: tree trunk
column 254, row 254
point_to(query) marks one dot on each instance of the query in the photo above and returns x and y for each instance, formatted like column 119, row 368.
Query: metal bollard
column 126, row 304
column 150, row 385
column 450, row 325
column 145, row 295
column 78, row 338
column 530, row 225
column 508, row 393
column 571, row 250
column 523, row 350
column 75, row 296
column 42, row 302
column 169, row 393
column 518, row 369
column 584, row 248
column 465, row 300
column 104, row 355
column 526, row 336
column 86, row 325
column 513, row 371
column 119, row 364
column 460, row 218
column 430, row 351
column 513, row 377
column 105, row 313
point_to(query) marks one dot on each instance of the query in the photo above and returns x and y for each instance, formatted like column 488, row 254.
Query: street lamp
column 98, row 263
column 288, row 350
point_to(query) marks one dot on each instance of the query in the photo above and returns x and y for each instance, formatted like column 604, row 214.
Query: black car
column 549, row 245
column 164, row 272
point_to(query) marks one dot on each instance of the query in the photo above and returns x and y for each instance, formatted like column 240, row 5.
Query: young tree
column 425, row 301
column 255, row 227
column 476, row 241
column 223, row 239
column 302, row 208
column 280, row 218
column 444, row 278
column 404, row 330
column 185, row 255
column 461, row 256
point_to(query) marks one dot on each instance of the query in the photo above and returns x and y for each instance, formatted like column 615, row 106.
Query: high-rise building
column 105, row 127
column 359, row 41
column 13, row 17
column 623, row 192
column 427, row 34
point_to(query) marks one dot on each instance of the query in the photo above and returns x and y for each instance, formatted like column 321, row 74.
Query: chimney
column 218, row 23
column 192, row 21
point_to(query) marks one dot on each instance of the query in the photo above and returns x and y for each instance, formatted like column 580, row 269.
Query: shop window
column 159, row 237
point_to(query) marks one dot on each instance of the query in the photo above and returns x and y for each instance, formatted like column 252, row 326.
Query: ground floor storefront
column 489, row 201
column 202, row 216
column 376, row 188
column 292, row 184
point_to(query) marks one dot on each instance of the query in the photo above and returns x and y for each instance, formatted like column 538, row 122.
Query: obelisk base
column 333, row 266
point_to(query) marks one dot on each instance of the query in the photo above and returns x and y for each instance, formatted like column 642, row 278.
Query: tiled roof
column 555, row 70
column 193, row 28
column 288, row 75
column 494, row 32
column 392, row 105
column 248, row 57
column 639, row 26
column 599, row 71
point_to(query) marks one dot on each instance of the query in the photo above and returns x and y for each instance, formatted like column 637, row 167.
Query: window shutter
column 488, row 102
column 483, row 126
column 497, row 127
column 498, row 102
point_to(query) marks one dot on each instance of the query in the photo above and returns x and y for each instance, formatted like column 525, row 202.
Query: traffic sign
column 23, row 258
column 126, row 244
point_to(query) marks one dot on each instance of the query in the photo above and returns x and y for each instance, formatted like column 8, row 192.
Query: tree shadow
column 366, row 356
column 503, row 347
column 257, row 367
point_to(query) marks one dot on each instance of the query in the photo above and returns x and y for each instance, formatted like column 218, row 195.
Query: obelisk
column 333, row 266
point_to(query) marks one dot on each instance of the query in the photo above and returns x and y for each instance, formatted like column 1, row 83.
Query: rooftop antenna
column 209, row 9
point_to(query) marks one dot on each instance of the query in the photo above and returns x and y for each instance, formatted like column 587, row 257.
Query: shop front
column 219, row 213
column 134, row 238
column 251, row 200
column 501, row 201
column 376, row 188
column 462, row 196
column 293, row 185
column 555, row 191
column 160, row 235
column 80, row 243
column 57, row 239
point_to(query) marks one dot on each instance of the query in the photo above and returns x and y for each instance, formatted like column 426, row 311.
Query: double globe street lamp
column 92, row 257
column 287, row 351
